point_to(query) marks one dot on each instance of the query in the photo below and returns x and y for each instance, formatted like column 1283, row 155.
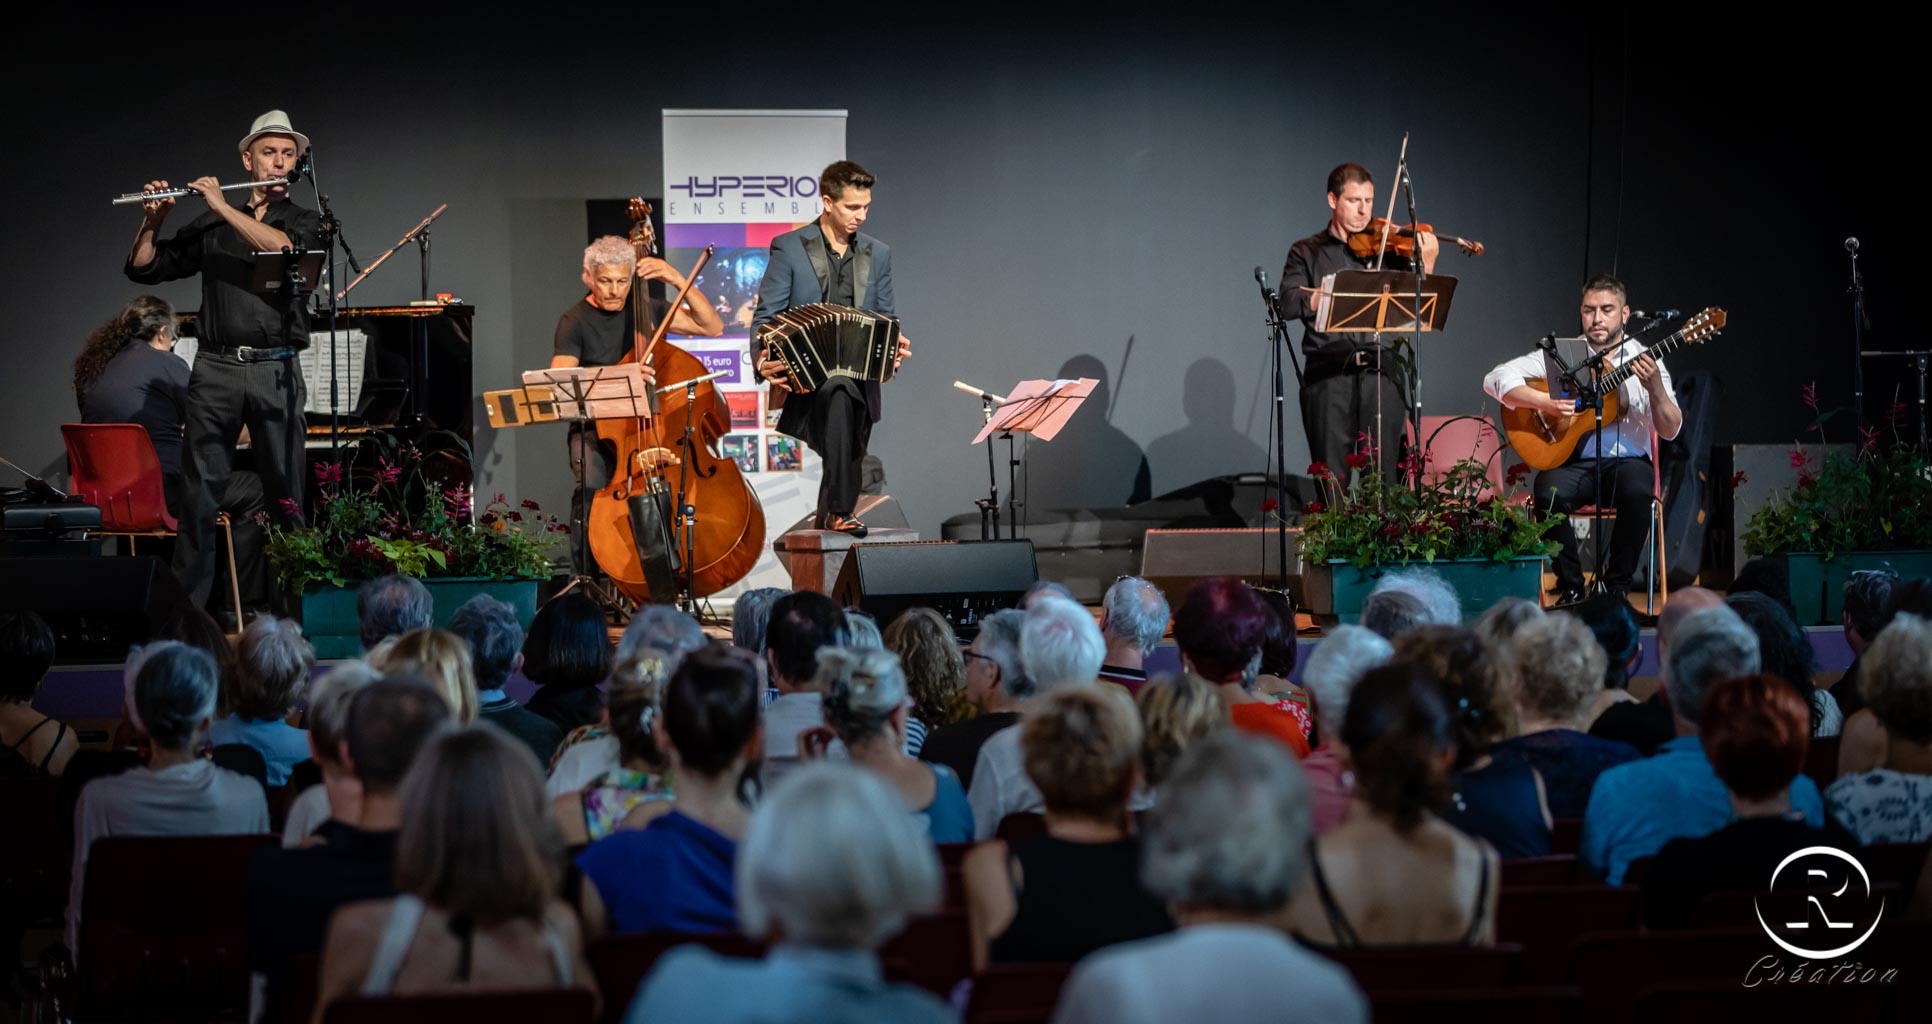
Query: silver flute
column 177, row 193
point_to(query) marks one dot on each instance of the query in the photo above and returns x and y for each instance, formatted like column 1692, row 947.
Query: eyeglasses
column 976, row 656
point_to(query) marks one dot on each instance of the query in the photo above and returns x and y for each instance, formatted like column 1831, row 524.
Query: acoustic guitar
column 1546, row 442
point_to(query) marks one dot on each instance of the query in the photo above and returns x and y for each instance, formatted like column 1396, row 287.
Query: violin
column 1364, row 243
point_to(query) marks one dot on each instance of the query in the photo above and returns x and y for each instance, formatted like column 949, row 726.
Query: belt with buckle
column 246, row 354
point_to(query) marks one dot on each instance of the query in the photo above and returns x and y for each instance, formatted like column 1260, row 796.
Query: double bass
column 652, row 548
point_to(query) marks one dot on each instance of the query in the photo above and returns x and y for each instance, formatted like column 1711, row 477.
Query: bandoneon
column 822, row 340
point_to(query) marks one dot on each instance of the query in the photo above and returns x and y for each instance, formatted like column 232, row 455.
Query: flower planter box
column 1337, row 588
column 1818, row 583
column 329, row 613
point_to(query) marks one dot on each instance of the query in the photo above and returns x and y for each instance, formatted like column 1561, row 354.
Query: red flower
column 1319, row 470
column 328, row 472
column 260, row 517
column 1805, row 478
column 1895, row 416
column 1799, row 458
column 1269, row 505
column 1356, row 460
column 1517, row 474
column 386, row 473
column 1313, row 508
column 531, row 505
column 1738, row 479
column 1811, row 395
column 291, row 509
column 1867, row 440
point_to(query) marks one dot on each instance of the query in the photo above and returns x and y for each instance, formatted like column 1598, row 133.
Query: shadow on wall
column 1092, row 464
column 1208, row 446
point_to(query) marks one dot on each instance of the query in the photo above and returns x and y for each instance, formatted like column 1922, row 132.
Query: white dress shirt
column 1000, row 786
column 1628, row 436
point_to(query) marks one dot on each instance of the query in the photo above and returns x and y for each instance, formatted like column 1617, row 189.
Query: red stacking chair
column 1448, row 440
column 1011, row 993
column 550, row 1006
column 113, row 466
column 620, row 962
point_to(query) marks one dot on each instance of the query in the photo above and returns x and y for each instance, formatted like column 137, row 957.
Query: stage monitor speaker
column 1173, row 559
column 963, row 580
column 97, row 607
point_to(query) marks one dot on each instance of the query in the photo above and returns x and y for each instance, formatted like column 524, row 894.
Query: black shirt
column 957, row 746
column 291, row 894
column 1645, row 725
column 231, row 315
column 1310, row 260
column 840, row 289
column 144, row 385
column 1740, row 857
column 538, row 733
column 600, row 338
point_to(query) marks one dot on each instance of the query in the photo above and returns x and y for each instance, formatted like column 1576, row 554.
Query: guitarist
column 1623, row 445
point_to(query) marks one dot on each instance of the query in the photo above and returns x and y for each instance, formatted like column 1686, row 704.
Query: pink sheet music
column 1038, row 407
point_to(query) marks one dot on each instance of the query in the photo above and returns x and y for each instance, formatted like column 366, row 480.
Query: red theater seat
column 1012, row 993
column 1429, row 967
column 620, row 962
column 560, row 1006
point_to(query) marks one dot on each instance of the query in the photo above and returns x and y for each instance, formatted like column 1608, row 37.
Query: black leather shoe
column 847, row 525
column 1567, row 596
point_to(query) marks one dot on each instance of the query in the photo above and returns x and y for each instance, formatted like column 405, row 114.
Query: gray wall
column 1052, row 190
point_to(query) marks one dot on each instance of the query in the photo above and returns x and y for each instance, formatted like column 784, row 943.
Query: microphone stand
column 989, row 505
column 687, row 511
column 1594, row 364
column 331, row 234
column 1857, row 290
column 1415, row 367
column 1277, row 341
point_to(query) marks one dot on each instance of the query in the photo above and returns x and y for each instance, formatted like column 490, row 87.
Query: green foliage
column 1879, row 498
column 1374, row 523
column 381, row 510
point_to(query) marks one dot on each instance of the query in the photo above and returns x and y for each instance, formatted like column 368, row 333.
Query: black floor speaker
column 97, row 607
column 964, row 581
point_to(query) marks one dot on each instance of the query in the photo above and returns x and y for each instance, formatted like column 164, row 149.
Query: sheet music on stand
column 351, row 349
column 1574, row 351
column 608, row 392
column 1362, row 301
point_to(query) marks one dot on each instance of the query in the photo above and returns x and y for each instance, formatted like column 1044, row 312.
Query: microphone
column 1654, row 315
column 1851, row 245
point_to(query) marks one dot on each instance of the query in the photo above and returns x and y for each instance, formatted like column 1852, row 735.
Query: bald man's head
column 1682, row 603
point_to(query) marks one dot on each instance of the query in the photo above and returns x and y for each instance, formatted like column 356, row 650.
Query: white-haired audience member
column 863, row 631
column 1340, row 661
column 1893, row 802
column 1059, row 895
column 177, row 793
column 339, row 797
column 1636, row 808
column 866, row 708
column 270, row 670
column 1558, row 671
column 831, row 867
column 1442, row 607
column 1391, row 613
column 997, row 688
column 1133, row 618
column 1225, row 850
column 1060, row 647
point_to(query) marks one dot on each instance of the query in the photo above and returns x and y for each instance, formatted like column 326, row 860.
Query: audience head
column 441, row 659
column 1401, row 740
column 1230, row 832
column 174, row 693
column 1766, row 576
column 270, row 670
column 795, row 872
column 996, row 659
column 1614, row 626
column 327, row 717
column 1709, row 645
column 1755, row 730
column 391, row 606
column 1134, row 612
column 1219, row 628
column 1175, row 711
column 863, row 631
column 1391, row 613
column 1895, row 677
column 1558, row 668
column 663, row 628
column 389, row 721
column 1783, row 651
column 1501, row 621
column 711, row 712
column 935, row 670
column 1045, row 588
column 26, row 652
column 749, row 613
column 1479, row 707
column 864, row 692
column 801, row 622
column 1867, row 600
column 1060, row 645
column 490, row 629
column 1337, row 663
column 569, row 644
column 1081, row 748
column 1278, row 642
column 478, row 837
column 1441, row 605
column 636, row 706
column 1681, row 603
column 192, row 625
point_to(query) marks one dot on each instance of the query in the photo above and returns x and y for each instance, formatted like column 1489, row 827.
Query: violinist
column 600, row 330
column 1350, row 387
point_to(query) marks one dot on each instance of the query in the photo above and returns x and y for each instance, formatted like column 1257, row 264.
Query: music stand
column 1039, row 408
column 1379, row 301
column 271, row 269
column 583, row 395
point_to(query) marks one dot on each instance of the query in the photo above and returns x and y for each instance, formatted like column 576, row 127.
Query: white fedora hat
column 275, row 122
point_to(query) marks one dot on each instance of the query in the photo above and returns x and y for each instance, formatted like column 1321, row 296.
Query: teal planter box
column 329, row 613
column 1818, row 584
column 1338, row 588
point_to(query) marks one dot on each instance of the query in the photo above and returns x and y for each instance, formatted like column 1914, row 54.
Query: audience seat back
column 934, row 952
column 1821, row 760
column 620, row 962
column 1016, row 992
column 1429, row 967
column 37, row 854
column 1566, row 835
column 1702, row 1002
column 1546, row 918
column 555, row 1006
column 1518, row 1005
column 1552, row 869
column 1897, row 863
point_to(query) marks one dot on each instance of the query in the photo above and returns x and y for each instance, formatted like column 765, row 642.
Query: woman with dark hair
column 149, row 320
column 669, row 868
column 27, row 746
column 567, row 654
column 1496, row 795
column 1615, row 627
column 1220, row 628
column 1787, row 655
column 1755, row 730
column 478, row 869
column 1393, row 872
column 127, row 372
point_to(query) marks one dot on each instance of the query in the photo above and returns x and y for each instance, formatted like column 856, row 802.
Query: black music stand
column 1381, row 301
column 583, row 395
